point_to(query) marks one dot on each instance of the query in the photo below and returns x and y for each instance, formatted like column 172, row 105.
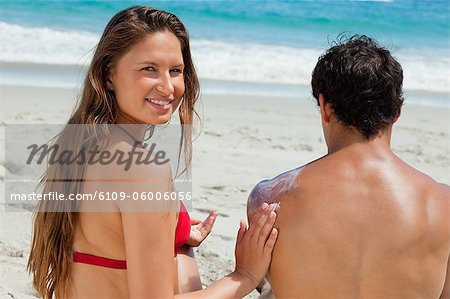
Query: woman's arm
column 149, row 232
column 188, row 275
column 253, row 254
column 149, row 238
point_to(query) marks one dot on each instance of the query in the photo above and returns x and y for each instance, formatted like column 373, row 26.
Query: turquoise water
column 419, row 24
column 274, row 42
column 423, row 24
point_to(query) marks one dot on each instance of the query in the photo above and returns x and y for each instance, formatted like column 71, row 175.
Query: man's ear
column 325, row 109
column 398, row 116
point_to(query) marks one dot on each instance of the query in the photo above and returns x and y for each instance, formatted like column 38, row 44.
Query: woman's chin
column 158, row 121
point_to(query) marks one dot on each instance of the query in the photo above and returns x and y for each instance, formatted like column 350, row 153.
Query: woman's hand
column 254, row 245
column 199, row 233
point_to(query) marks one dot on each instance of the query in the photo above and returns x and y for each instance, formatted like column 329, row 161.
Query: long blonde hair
column 54, row 222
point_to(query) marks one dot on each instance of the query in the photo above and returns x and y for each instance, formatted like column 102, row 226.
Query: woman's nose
column 165, row 85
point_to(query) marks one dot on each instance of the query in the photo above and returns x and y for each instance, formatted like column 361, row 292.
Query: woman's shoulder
column 124, row 160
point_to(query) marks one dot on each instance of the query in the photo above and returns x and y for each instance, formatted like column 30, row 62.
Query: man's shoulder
column 441, row 192
column 273, row 190
column 427, row 183
column 438, row 208
column 434, row 195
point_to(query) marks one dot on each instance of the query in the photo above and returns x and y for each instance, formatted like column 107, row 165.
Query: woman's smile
column 153, row 71
column 159, row 104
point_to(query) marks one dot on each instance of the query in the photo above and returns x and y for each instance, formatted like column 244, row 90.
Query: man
column 358, row 222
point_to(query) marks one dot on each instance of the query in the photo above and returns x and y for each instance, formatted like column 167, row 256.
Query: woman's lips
column 159, row 104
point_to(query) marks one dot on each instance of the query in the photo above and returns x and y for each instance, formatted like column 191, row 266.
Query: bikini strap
column 78, row 257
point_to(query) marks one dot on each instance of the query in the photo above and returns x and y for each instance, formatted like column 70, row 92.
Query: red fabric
column 84, row 258
column 183, row 228
column 181, row 236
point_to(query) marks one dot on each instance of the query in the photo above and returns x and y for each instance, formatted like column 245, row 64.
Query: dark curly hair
column 362, row 82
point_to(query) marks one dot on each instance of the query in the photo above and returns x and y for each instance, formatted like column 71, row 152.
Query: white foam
column 44, row 45
column 218, row 60
column 254, row 62
column 429, row 70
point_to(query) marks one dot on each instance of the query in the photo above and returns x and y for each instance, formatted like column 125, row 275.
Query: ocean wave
column 372, row 0
column 254, row 62
column 45, row 45
column 218, row 60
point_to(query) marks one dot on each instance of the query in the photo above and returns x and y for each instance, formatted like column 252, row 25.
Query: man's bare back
column 358, row 222
column 355, row 224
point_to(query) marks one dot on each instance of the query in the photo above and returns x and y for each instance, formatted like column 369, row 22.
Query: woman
column 140, row 74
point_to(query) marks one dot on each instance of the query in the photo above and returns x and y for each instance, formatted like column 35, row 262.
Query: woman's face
column 148, row 80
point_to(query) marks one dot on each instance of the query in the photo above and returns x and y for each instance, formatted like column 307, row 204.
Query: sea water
column 255, row 42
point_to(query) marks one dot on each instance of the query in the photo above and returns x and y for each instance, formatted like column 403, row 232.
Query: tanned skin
column 357, row 223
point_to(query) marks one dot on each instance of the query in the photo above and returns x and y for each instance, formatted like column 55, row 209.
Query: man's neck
column 380, row 142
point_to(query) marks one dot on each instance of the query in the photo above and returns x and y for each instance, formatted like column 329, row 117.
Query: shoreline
column 212, row 87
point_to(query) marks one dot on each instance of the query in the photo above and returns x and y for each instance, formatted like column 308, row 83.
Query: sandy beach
column 259, row 119
column 245, row 138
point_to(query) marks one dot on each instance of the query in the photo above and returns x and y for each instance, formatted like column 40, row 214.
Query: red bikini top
column 183, row 229
column 181, row 236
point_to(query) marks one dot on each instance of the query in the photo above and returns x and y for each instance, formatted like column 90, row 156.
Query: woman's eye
column 176, row 71
column 149, row 69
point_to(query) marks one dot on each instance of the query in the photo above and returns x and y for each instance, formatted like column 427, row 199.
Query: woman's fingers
column 195, row 221
column 207, row 225
column 257, row 219
column 267, row 227
column 241, row 232
column 270, row 243
column 254, row 245
column 260, row 224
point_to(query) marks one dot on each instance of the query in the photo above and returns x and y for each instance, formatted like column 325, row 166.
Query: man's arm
column 446, row 196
